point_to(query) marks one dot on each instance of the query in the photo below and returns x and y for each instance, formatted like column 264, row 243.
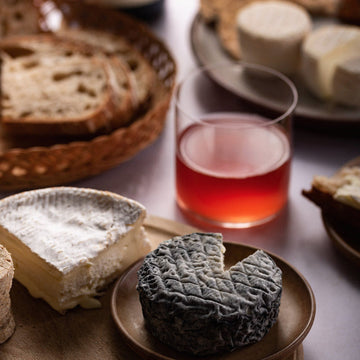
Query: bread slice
column 18, row 17
column 142, row 74
column 7, row 323
column 338, row 196
column 54, row 86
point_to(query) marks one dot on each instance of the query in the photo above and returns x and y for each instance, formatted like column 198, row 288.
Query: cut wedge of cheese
column 346, row 82
column 271, row 32
column 68, row 243
column 323, row 51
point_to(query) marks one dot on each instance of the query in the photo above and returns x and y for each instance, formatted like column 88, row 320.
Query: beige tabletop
column 297, row 235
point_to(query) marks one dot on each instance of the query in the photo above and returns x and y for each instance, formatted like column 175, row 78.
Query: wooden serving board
column 42, row 333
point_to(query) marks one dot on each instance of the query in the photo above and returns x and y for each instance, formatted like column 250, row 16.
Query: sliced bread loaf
column 143, row 75
column 53, row 86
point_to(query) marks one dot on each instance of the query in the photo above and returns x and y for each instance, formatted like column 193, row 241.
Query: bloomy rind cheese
column 346, row 82
column 7, row 323
column 323, row 50
column 271, row 32
column 192, row 304
column 68, row 243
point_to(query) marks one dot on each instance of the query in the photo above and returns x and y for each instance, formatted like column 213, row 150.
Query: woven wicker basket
column 24, row 166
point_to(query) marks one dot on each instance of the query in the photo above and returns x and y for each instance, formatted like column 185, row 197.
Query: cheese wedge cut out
column 191, row 303
column 325, row 51
column 68, row 243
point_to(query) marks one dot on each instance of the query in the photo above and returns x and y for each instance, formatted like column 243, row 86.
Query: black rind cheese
column 191, row 303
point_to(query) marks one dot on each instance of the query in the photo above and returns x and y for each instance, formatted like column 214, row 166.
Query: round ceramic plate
column 208, row 50
column 346, row 241
column 297, row 311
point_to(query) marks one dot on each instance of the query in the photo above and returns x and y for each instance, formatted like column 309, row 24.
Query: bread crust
column 322, row 194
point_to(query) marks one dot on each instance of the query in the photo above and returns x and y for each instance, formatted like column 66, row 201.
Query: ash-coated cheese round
column 271, row 32
column 191, row 303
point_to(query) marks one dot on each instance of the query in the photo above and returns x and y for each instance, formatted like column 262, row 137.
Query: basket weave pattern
column 40, row 166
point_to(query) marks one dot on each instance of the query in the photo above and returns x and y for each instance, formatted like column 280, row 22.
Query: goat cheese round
column 346, row 82
column 271, row 32
column 191, row 303
column 323, row 52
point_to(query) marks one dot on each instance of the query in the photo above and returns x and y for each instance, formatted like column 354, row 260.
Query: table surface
column 297, row 235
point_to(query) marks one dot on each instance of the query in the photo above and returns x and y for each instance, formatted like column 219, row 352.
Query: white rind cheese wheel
column 69, row 243
column 324, row 51
column 7, row 323
column 271, row 33
column 346, row 83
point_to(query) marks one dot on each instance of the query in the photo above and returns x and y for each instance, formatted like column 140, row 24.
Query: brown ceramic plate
column 343, row 238
column 297, row 312
column 208, row 50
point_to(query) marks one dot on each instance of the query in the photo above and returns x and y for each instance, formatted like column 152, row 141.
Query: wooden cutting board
column 41, row 333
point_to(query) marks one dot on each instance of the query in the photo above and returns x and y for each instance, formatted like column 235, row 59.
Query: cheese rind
column 270, row 33
column 190, row 302
column 69, row 243
column 323, row 51
column 7, row 323
column 346, row 82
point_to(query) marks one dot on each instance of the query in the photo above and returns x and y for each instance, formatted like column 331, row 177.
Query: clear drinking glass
column 233, row 143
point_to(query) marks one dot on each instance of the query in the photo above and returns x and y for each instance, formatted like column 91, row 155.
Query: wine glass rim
column 207, row 68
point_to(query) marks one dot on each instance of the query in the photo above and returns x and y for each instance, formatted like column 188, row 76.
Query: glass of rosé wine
column 233, row 143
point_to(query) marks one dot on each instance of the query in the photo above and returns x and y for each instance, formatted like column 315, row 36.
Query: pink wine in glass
column 232, row 169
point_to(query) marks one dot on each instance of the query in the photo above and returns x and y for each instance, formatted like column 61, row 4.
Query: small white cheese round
column 271, row 32
column 323, row 51
column 346, row 82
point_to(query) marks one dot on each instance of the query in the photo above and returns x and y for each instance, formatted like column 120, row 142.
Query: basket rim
column 116, row 132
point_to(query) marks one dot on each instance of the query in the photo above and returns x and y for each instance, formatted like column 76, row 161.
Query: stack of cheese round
column 279, row 34
column 331, row 63
column 271, row 33
column 7, row 323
